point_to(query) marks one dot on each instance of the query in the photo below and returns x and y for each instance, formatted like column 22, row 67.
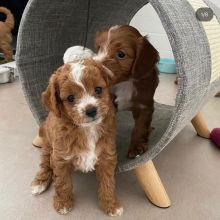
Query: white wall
column 148, row 23
column 217, row 2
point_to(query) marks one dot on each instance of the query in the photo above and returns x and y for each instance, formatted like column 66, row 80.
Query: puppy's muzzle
column 91, row 112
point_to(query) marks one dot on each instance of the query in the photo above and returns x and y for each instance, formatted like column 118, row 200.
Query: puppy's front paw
column 64, row 210
column 40, row 183
column 116, row 212
column 137, row 151
column 63, row 207
column 38, row 189
column 111, row 208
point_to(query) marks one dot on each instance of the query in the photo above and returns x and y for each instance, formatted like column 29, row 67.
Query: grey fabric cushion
column 49, row 28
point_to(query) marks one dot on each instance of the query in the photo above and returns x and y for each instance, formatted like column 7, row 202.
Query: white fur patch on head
column 102, row 55
column 85, row 101
column 77, row 73
column 114, row 27
column 77, row 53
column 110, row 32
column 108, row 71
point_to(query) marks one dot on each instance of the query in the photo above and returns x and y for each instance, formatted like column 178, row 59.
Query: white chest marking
column 124, row 92
column 86, row 160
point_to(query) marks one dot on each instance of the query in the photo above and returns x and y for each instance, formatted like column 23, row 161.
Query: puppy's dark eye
column 120, row 54
column 70, row 98
column 98, row 90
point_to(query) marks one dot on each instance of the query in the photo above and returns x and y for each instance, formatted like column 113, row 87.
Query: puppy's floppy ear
column 101, row 36
column 146, row 58
column 50, row 97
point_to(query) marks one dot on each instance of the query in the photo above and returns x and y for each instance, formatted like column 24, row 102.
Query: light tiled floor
column 189, row 167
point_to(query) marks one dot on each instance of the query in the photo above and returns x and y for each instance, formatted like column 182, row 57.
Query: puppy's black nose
column 91, row 111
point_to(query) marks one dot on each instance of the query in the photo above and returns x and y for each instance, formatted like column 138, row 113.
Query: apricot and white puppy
column 79, row 134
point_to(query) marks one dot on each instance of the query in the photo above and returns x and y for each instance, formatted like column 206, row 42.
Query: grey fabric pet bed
column 48, row 28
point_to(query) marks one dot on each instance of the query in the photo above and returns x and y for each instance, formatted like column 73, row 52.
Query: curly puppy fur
column 132, row 59
column 5, row 34
column 74, row 137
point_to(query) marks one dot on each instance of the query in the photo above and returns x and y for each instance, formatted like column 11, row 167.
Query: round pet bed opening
column 42, row 43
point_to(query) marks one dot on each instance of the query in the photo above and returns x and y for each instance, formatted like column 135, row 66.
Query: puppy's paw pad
column 64, row 210
column 38, row 189
column 136, row 151
column 117, row 212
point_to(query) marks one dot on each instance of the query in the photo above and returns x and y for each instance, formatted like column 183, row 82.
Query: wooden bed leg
column 200, row 126
column 150, row 181
column 37, row 142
